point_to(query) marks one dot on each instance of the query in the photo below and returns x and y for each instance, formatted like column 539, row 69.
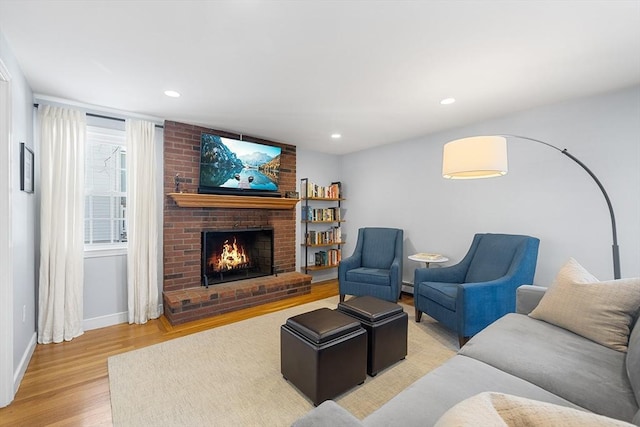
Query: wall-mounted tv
column 235, row 166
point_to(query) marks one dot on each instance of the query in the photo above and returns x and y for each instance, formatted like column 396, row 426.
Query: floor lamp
column 486, row 156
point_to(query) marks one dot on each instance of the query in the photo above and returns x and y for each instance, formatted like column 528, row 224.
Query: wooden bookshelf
column 195, row 200
column 324, row 199
column 322, row 245
column 330, row 213
column 320, row 267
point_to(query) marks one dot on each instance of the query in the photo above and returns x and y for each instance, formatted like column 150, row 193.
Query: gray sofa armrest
column 328, row 414
column 528, row 297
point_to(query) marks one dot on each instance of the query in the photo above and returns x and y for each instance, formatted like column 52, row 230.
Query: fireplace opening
column 229, row 255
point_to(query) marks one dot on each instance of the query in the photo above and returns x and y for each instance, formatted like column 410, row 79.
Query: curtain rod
column 100, row 116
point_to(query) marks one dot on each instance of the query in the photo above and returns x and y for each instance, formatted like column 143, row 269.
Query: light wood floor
column 67, row 384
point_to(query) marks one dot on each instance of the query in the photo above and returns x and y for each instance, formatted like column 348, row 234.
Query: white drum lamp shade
column 475, row 157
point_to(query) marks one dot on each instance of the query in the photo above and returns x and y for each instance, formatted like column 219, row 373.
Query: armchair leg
column 341, row 297
column 463, row 340
column 418, row 316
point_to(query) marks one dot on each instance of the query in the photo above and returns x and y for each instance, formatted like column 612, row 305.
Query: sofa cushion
column 600, row 311
column 373, row 276
column 633, row 361
column 424, row 402
column 499, row 409
column 478, row 410
column 580, row 370
column 328, row 414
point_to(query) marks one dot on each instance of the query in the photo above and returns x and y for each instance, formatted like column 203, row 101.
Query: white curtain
column 62, row 140
column 142, row 220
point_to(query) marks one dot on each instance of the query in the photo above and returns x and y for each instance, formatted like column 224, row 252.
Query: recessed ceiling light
column 448, row 101
column 172, row 93
column 336, row 136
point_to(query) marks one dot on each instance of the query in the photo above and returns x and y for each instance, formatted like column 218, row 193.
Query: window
column 105, row 222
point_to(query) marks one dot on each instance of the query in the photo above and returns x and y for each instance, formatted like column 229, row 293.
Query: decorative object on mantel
column 291, row 195
column 196, row 200
column 486, row 156
column 181, row 183
column 177, row 181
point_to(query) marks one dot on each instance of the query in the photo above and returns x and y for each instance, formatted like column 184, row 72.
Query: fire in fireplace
column 229, row 255
column 233, row 256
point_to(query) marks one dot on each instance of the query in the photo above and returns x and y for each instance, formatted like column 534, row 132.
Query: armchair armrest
column 347, row 264
column 528, row 297
column 484, row 302
column 351, row 262
column 395, row 277
column 453, row 274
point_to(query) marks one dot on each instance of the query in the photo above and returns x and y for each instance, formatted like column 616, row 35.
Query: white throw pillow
column 600, row 311
column 497, row 409
column 573, row 272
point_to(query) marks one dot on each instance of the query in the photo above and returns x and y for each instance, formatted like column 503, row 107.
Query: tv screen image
column 235, row 166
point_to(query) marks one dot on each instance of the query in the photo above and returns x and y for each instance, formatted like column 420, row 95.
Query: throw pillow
column 600, row 311
column 498, row 409
column 573, row 272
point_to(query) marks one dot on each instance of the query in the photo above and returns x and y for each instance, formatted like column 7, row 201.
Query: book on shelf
column 309, row 213
column 323, row 192
column 327, row 258
column 334, row 256
column 327, row 237
column 321, row 258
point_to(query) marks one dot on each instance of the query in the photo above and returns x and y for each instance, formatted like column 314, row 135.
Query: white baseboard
column 104, row 321
column 24, row 362
column 110, row 320
column 407, row 287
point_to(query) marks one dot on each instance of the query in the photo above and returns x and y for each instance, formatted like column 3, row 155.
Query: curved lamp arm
column 616, row 250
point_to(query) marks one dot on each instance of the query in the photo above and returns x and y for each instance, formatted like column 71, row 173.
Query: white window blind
column 105, row 188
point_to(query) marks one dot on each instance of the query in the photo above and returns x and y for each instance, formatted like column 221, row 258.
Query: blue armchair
column 375, row 268
column 470, row 295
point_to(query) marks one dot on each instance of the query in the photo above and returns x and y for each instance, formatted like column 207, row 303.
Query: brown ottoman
column 386, row 325
column 323, row 353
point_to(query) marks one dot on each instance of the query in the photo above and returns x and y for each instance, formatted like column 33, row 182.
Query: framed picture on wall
column 26, row 168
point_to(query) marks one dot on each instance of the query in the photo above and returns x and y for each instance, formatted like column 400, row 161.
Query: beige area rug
column 230, row 376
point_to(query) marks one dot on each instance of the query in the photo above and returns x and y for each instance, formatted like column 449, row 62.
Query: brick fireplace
column 184, row 297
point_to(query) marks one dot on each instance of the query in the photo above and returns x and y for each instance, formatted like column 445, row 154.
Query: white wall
column 23, row 239
column 105, row 291
column 545, row 194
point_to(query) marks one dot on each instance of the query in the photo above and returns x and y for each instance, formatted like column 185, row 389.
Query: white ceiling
column 298, row 71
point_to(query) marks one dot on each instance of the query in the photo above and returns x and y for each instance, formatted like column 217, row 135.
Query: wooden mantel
column 195, row 200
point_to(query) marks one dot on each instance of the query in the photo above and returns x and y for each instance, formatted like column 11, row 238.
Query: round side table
column 428, row 258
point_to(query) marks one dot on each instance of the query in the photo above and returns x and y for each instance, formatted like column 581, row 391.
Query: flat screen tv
column 234, row 166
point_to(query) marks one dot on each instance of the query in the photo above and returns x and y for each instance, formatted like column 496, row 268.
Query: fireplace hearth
column 230, row 255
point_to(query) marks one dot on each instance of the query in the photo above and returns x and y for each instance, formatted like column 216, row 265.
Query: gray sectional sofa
column 516, row 355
